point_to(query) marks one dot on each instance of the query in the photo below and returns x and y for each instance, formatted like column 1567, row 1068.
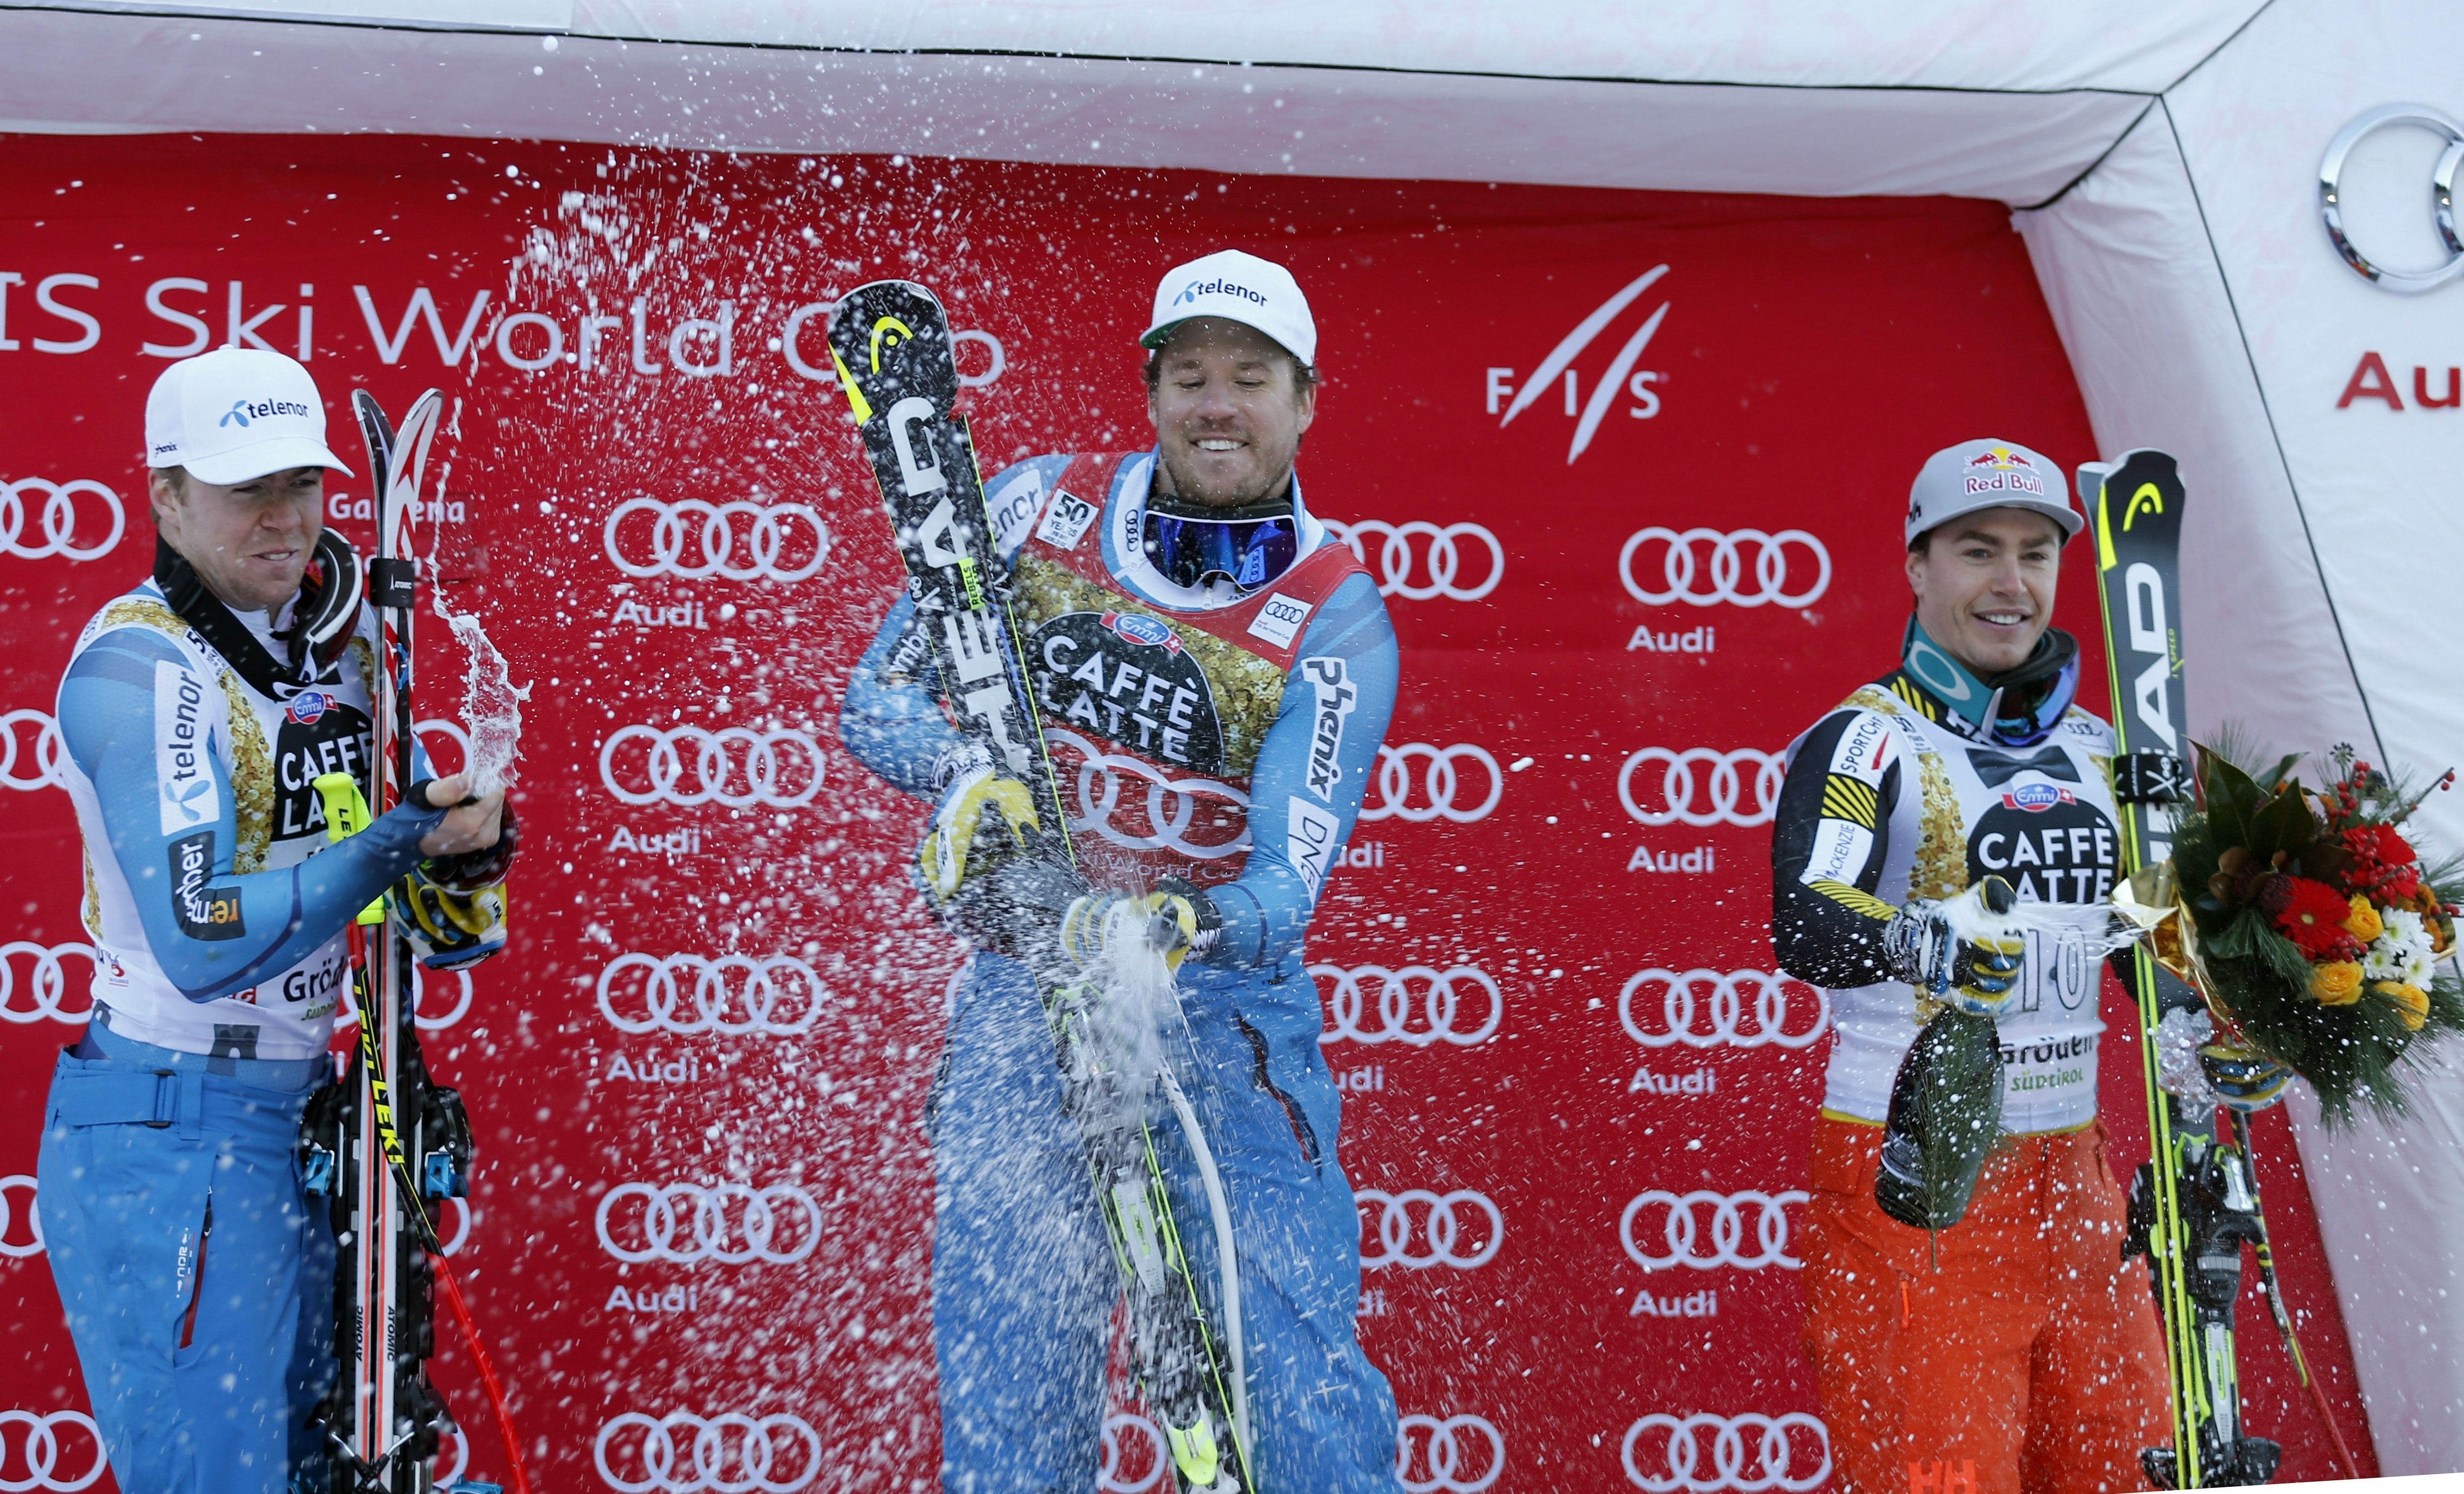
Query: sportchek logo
column 243, row 411
column 1190, row 293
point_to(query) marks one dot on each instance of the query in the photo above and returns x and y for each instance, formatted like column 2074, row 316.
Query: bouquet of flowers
column 2317, row 934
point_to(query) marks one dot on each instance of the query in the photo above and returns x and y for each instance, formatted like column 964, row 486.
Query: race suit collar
column 239, row 644
column 1124, row 527
column 2015, row 707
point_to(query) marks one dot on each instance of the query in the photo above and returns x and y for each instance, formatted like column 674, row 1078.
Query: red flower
column 2312, row 915
column 2383, row 862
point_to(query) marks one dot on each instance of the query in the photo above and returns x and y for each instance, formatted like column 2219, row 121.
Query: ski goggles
column 1190, row 552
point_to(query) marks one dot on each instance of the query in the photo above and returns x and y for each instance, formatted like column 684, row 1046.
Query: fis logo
column 1335, row 696
column 1557, row 370
column 1190, row 293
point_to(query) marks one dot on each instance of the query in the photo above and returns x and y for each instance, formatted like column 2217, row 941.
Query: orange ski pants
column 2029, row 1362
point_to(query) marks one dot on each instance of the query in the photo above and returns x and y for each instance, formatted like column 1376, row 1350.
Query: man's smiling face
column 1984, row 585
column 250, row 541
column 1227, row 412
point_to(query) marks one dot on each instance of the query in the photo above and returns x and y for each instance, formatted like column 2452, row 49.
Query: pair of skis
column 891, row 345
column 2195, row 1202
column 389, row 1139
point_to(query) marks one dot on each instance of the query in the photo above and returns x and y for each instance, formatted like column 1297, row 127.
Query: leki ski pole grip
column 347, row 814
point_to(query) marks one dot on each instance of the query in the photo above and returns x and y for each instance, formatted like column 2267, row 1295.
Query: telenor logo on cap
column 1190, row 293
column 243, row 411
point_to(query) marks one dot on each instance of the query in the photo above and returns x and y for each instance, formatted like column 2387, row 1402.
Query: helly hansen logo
column 1335, row 696
column 203, row 913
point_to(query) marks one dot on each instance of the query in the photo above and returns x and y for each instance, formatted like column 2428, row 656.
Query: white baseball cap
column 1989, row 475
column 236, row 413
column 1237, row 287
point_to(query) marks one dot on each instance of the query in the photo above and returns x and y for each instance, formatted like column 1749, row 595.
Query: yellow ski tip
column 856, row 401
column 1193, row 1451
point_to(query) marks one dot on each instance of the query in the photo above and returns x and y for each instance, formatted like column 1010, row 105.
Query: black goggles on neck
column 1246, row 551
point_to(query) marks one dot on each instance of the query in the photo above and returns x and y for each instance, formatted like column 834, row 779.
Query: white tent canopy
column 2165, row 159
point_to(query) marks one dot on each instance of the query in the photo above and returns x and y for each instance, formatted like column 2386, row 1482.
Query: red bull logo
column 2001, row 457
column 1998, row 469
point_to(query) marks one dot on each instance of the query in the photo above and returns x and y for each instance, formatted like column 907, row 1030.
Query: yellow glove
column 983, row 820
column 450, row 929
column 1178, row 919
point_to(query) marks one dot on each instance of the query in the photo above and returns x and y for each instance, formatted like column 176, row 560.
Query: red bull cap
column 1989, row 475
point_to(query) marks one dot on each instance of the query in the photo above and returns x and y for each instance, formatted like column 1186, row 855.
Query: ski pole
column 2262, row 1250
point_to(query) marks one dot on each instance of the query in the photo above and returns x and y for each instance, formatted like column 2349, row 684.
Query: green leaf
column 2231, row 798
column 2284, row 822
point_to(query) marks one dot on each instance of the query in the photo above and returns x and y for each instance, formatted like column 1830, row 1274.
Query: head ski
column 2192, row 1205
column 890, row 343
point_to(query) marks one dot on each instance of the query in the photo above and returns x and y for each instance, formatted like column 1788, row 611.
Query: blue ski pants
column 197, row 1279
column 1024, row 1282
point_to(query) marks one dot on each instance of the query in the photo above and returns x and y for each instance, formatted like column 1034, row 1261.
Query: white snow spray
column 492, row 703
column 1135, row 1001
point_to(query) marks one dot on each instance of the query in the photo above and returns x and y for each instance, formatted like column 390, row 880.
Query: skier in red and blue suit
column 1216, row 674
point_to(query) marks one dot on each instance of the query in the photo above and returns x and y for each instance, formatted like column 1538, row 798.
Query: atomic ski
column 387, row 1138
column 891, row 345
column 2194, row 1203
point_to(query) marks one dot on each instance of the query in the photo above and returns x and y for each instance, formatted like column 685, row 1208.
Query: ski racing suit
column 2031, row 1358
column 197, row 1278
column 1226, row 741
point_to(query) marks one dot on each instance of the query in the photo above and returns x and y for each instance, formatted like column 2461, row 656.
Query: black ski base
column 2251, row 1460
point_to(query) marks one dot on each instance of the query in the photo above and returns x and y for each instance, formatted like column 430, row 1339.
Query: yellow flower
column 2337, row 982
column 2412, row 1002
column 2363, row 922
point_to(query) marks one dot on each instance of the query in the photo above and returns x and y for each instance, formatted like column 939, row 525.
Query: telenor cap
column 1237, row 287
column 1989, row 475
column 236, row 413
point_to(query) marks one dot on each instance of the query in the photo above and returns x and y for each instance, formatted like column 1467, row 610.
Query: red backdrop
column 1522, row 848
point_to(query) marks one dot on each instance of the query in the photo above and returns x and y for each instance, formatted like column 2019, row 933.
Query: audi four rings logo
column 1708, row 567
column 19, row 1237
column 1459, row 1455
column 31, row 749
column 1708, row 1008
column 1750, row 1452
column 735, row 766
column 2441, row 195
column 776, row 996
column 47, row 981
column 694, row 540
column 58, row 520
column 47, row 1455
column 729, row 1222
column 1679, row 1222
column 1702, row 785
column 1416, row 1229
column 1410, row 551
column 1162, row 811
column 1145, row 1449
column 1417, row 1004
column 732, row 1453
column 1439, row 781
